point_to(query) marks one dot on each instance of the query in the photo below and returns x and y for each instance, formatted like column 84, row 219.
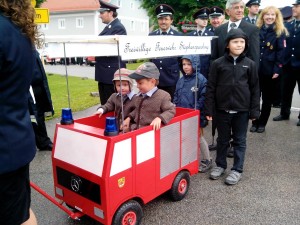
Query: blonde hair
column 22, row 14
column 279, row 27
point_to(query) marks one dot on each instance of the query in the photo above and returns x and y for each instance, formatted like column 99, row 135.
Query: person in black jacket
column 272, row 45
column 105, row 67
column 291, row 66
column 168, row 67
column 40, row 103
column 233, row 89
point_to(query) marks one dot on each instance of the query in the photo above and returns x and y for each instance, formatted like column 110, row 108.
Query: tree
column 184, row 9
column 39, row 3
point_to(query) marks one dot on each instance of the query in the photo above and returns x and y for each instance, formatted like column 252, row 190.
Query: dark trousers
column 268, row 90
column 231, row 125
column 290, row 77
column 169, row 89
column 105, row 91
column 41, row 136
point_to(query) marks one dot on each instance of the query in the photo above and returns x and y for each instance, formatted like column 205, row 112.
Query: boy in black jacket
column 233, row 88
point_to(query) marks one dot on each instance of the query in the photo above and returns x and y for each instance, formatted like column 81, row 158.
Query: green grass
column 79, row 88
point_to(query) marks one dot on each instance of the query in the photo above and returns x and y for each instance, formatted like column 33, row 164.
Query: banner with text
column 137, row 47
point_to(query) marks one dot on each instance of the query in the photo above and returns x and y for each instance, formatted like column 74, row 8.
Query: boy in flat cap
column 153, row 106
column 253, row 10
column 168, row 67
column 201, row 19
column 105, row 67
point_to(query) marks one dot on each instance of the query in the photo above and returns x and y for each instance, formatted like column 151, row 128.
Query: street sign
column 33, row 3
column 41, row 15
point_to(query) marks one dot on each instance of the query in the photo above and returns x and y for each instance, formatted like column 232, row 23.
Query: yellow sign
column 41, row 15
column 33, row 3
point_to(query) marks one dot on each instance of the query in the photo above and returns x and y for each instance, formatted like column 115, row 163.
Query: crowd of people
column 255, row 56
column 262, row 53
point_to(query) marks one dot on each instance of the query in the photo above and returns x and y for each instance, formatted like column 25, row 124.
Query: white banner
column 161, row 46
column 130, row 47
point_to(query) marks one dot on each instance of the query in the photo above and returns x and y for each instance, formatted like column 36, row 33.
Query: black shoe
column 280, row 118
column 47, row 147
column 298, row 124
column 253, row 129
column 260, row 129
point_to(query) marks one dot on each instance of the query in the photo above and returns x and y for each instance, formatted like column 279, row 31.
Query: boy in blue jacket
column 185, row 97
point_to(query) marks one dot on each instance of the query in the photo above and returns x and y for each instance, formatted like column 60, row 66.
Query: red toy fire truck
column 109, row 178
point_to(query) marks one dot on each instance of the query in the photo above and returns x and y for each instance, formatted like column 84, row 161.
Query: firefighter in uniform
column 253, row 10
column 105, row 66
column 216, row 18
column 291, row 65
column 168, row 67
column 201, row 19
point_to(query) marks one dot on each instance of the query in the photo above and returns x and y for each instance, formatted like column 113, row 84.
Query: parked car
column 90, row 60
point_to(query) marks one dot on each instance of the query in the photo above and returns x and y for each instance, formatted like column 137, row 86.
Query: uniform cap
column 297, row 2
column 123, row 75
column 146, row 70
column 216, row 11
column 202, row 13
column 253, row 2
column 286, row 12
column 164, row 10
column 105, row 6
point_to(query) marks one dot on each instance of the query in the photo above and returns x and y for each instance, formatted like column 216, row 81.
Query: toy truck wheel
column 180, row 186
column 130, row 213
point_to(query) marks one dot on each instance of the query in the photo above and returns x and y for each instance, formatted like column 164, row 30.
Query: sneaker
column 233, row 177
column 253, row 129
column 216, row 173
column 205, row 166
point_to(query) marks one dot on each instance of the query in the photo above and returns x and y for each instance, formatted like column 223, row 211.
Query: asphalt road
column 269, row 192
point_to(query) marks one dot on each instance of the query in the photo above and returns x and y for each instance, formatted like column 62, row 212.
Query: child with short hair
column 114, row 103
column 233, row 88
column 185, row 97
column 153, row 105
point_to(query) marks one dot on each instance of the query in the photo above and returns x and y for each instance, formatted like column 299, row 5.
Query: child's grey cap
column 146, row 70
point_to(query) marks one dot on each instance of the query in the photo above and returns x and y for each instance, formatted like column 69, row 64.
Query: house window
column 131, row 5
column 143, row 26
column 61, row 24
column 45, row 26
column 132, row 25
column 79, row 22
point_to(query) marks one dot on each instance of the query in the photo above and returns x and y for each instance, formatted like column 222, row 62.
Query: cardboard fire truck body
column 97, row 174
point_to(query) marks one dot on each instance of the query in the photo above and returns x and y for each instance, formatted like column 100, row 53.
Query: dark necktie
column 199, row 33
column 232, row 26
column 253, row 21
column 164, row 33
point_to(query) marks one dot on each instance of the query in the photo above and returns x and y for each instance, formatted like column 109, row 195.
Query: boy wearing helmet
column 123, row 86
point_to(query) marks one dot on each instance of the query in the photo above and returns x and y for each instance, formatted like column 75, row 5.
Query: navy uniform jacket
column 40, row 88
column 210, row 29
column 204, row 59
column 271, row 51
column 247, row 19
column 17, row 143
column 168, row 67
column 106, row 66
column 292, row 51
column 218, row 44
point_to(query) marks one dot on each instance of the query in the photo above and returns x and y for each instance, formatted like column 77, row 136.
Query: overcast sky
column 277, row 3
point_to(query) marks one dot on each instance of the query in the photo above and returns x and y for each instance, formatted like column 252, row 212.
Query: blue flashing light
column 66, row 116
column 111, row 128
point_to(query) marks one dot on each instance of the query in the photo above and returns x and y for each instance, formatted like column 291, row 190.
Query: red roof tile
column 71, row 5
